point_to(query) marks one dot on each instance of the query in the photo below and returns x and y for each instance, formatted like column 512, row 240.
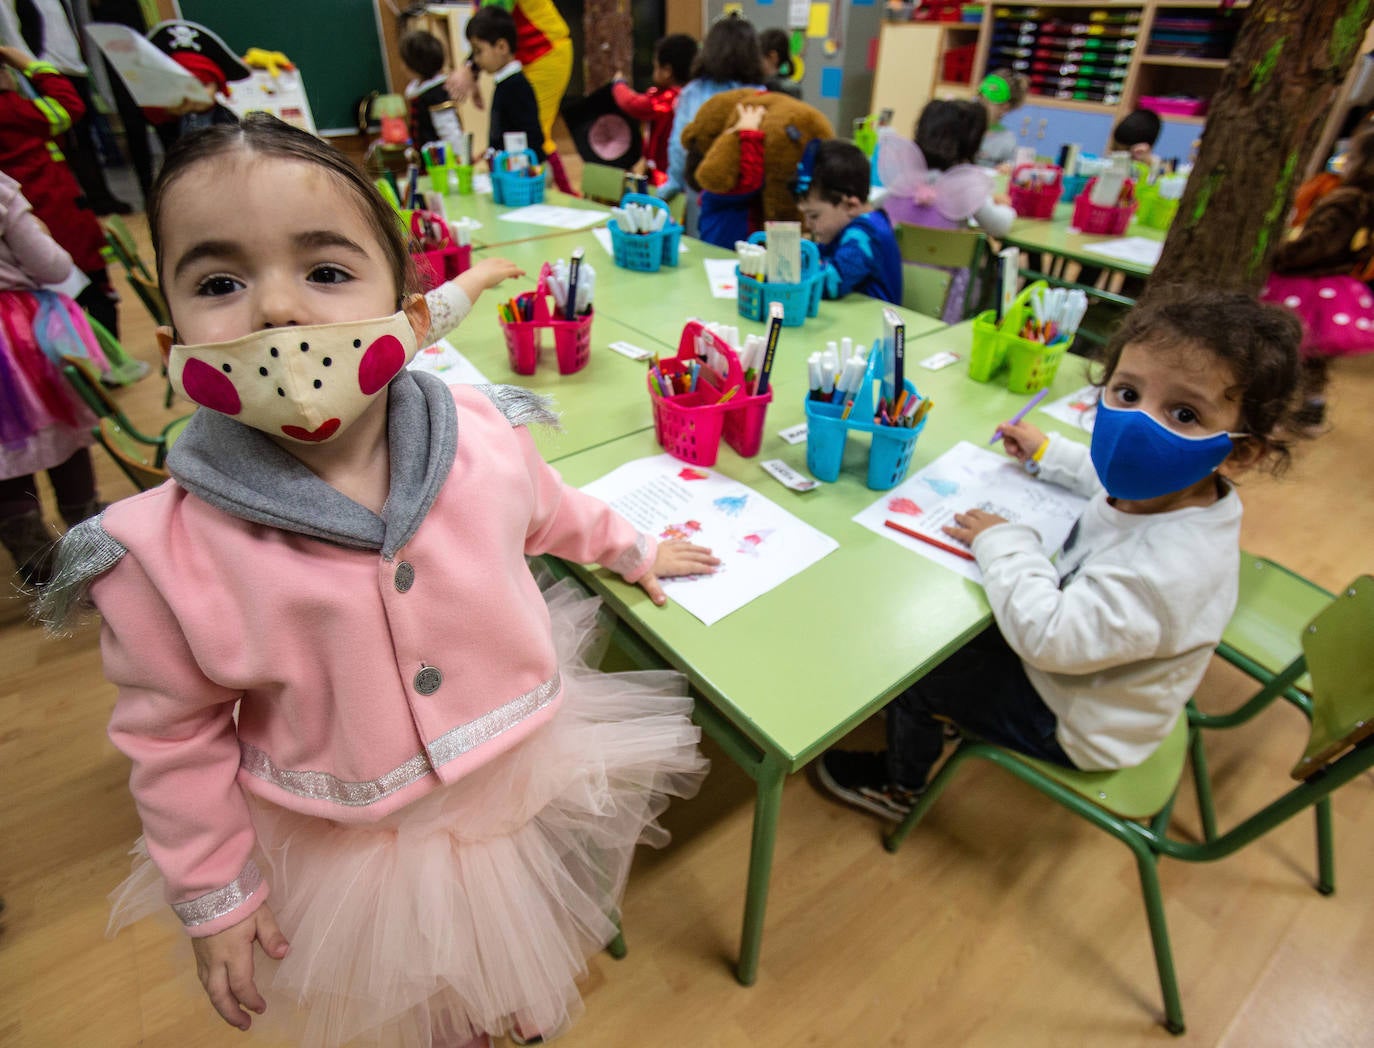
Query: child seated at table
column 856, row 242
column 1094, row 654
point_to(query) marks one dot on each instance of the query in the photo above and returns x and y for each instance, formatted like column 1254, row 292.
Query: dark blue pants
column 983, row 688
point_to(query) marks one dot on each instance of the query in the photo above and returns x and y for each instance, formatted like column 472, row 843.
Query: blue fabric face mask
column 1137, row 457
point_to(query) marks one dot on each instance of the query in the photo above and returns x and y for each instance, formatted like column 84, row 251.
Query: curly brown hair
column 1258, row 341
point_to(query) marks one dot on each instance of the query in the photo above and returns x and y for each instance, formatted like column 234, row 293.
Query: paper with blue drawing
column 969, row 477
column 760, row 544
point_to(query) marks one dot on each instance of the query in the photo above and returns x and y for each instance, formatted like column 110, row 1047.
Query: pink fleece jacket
column 364, row 683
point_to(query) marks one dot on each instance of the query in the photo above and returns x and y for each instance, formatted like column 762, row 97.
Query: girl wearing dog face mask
column 1096, row 651
column 380, row 788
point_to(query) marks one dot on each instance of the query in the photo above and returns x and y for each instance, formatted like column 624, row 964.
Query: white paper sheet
column 760, row 544
column 1078, row 409
column 1141, row 250
column 555, row 216
column 444, row 360
column 153, row 78
column 721, row 274
column 969, row 477
column 481, row 182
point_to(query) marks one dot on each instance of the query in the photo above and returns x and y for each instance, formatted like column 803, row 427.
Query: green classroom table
column 497, row 231
column 856, row 628
column 1053, row 236
column 656, row 305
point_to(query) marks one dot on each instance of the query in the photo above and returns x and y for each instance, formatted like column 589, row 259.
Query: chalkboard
column 336, row 44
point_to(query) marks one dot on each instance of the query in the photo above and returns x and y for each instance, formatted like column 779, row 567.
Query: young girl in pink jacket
column 362, row 737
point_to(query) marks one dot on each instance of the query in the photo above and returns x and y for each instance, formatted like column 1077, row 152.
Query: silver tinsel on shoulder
column 85, row 553
column 522, row 407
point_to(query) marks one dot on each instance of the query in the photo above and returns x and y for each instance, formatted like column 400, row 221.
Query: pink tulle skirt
column 475, row 908
column 42, row 420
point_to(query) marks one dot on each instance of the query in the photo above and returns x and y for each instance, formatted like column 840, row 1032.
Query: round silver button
column 405, row 576
column 427, row 681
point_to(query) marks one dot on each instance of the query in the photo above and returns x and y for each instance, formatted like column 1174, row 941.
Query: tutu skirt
column 42, row 420
column 475, row 908
column 1337, row 312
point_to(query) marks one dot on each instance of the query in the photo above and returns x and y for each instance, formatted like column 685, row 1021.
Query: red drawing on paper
column 680, row 531
column 688, row 473
column 750, row 543
column 904, row 505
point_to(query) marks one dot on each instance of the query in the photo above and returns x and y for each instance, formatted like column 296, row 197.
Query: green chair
column 122, row 244
column 1134, row 804
column 84, row 378
column 141, row 464
column 602, row 183
column 930, row 257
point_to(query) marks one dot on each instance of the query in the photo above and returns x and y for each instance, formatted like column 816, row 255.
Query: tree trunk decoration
column 1289, row 59
column 608, row 32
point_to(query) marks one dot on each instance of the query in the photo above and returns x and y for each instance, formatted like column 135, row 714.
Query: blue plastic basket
column 516, row 189
column 646, row 252
column 1073, row 185
column 799, row 301
column 890, row 447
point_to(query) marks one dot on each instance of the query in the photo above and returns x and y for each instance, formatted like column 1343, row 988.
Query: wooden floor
column 1003, row 921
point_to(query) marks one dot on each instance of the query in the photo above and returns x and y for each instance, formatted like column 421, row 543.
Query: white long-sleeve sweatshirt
column 1116, row 633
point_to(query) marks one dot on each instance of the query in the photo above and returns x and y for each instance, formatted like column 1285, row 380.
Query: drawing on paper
column 686, row 530
column 732, row 505
column 688, row 473
column 904, row 506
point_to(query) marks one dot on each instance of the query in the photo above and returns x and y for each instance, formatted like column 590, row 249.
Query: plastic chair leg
column 1147, row 863
column 1326, row 849
column 616, row 947
column 1202, row 782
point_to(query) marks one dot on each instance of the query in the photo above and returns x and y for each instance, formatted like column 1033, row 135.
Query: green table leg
column 766, row 807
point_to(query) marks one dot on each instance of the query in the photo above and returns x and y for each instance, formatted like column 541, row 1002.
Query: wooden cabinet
column 912, row 61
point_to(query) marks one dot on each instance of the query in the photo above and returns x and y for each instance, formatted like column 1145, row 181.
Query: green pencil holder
column 1155, row 211
column 450, row 179
column 1030, row 366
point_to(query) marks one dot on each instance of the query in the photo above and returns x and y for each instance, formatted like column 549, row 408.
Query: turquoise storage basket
column 890, row 447
column 799, row 301
column 646, row 252
column 518, row 189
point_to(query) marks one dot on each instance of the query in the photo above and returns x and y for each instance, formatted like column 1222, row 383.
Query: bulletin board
column 835, row 44
column 336, row 44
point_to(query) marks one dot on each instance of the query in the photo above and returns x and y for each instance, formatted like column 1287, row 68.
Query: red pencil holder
column 1039, row 199
column 572, row 339
column 689, row 426
column 442, row 264
column 1089, row 218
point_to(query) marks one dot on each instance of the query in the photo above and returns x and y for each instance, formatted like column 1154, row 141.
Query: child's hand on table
column 1021, row 440
column 224, row 962
column 491, row 271
column 676, row 557
column 971, row 523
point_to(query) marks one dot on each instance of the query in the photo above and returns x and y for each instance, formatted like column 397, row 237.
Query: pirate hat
column 178, row 37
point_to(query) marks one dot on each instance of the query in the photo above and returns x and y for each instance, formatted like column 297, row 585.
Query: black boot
column 74, row 515
column 30, row 543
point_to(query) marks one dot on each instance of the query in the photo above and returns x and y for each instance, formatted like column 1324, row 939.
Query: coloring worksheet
column 1078, row 409
column 720, row 273
column 555, row 216
column 969, row 477
column 760, row 544
column 444, row 360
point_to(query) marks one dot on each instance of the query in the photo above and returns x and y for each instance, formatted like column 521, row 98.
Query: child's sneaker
column 861, row 779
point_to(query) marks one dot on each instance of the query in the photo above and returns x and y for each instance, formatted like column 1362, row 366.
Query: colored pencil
column 930, row 540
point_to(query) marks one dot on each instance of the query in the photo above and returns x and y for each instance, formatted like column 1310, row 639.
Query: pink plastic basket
column 442, row 264
column 689, row 426
column 1089, row 218
column 1166, row 106
column 572, row 339
column 1038, row 200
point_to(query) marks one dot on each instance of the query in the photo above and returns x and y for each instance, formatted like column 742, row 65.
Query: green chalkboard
column 335, row 43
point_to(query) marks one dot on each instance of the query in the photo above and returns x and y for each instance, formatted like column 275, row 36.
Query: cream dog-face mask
column 305, row 383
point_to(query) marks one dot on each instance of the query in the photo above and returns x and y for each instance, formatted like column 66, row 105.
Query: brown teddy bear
column 788, row 125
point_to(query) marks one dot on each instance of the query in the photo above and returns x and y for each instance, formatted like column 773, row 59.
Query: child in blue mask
column 1096, row 652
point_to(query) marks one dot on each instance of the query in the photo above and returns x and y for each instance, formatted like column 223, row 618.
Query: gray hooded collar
column 243, row 472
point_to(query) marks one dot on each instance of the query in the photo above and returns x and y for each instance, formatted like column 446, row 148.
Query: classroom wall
column 684, row 16
column 839, row 46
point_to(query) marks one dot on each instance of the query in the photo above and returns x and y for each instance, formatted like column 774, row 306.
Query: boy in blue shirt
column 856, row 242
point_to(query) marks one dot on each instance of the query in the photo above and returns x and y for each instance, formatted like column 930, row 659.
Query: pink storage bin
column 1174, row 106
column 1035, row 201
